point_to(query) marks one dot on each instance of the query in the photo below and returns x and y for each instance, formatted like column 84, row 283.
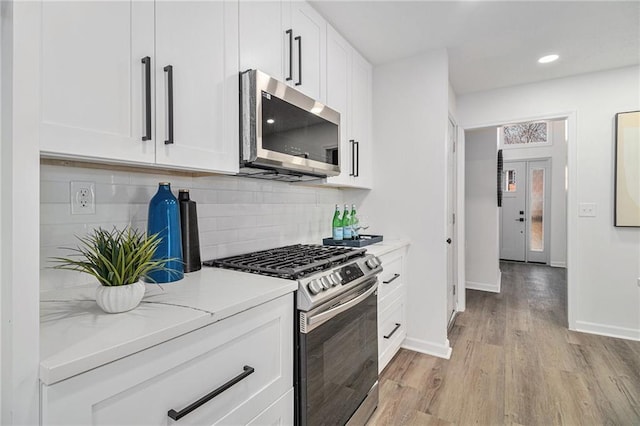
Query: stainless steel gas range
column 336, row 359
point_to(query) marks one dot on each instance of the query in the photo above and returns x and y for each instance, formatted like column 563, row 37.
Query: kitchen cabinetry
column 287, row 40
column 349, row 79
column 392, row 328
column 141, row 82
column 254, row 347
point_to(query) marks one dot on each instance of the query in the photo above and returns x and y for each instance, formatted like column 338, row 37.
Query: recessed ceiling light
column 270, row 120
column 548, row 58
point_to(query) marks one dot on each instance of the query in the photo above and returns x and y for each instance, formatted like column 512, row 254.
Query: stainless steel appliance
column 336, row 327
column 285, row 134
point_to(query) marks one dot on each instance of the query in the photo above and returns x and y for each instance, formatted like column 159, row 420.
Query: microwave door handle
column 353, row 157
column 327, row 315
column 290, row 33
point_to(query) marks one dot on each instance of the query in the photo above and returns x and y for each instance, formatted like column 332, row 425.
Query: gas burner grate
column 292, row 262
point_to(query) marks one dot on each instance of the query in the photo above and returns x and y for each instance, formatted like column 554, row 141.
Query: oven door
column 338, row 356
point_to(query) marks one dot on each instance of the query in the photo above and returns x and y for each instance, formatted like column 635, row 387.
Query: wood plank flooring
column 514, row 362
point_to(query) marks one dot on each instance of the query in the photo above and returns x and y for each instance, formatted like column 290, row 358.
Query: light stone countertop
column 76, row 335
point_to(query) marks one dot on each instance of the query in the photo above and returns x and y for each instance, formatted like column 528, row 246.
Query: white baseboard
column 493, row 288
column 558, row 264
column 441, row 350
column 608, row 330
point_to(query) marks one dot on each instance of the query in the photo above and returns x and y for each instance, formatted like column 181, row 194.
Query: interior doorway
column 525, row 216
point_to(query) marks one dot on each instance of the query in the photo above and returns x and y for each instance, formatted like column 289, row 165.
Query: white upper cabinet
column 308, row 50
column 287, row 40
column 261, row 37
column 105, row 91
column 197, row 85
column 92, row 79
column 349, row 79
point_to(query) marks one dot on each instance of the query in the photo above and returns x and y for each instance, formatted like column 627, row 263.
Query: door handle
column 520, row 219
column 299, row 40
column 290, row 33
column 357, row 170
column 448, row 240
column 146, row 61
column 353, row 157
column 169, row 70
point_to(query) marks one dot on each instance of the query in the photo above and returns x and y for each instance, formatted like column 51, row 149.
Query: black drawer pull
column 353, row 157
column 357, row 170
column 299, row 40
column 290, row 33
column 388, row 336
column 395, row 277
column 177, row 415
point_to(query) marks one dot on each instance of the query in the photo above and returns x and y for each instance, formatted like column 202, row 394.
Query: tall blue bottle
column 164, row 219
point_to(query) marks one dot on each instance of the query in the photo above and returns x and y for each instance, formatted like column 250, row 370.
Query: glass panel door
column 536, row 219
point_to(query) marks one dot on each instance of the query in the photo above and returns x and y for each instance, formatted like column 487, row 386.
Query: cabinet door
column 197, row 85
column 261, row 47
column 93, row 101
column 338, row 76
column 361, row 118
column 309, row 50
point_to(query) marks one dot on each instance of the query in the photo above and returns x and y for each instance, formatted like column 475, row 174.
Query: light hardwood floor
column 515, row 362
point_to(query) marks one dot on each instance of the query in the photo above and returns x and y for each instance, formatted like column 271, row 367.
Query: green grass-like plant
column 114, row 258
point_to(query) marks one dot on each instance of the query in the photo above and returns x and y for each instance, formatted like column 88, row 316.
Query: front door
column 512, row 214
column 524, row 217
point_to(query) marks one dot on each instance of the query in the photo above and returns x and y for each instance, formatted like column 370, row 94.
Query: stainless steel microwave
column 285, row 134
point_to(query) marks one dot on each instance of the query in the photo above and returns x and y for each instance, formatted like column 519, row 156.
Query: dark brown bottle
column 189, row 227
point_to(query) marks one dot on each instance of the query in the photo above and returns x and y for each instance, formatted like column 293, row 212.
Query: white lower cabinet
column 392, row 327
column 255, row 346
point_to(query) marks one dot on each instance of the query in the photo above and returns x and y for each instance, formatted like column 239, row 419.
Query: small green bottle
column 336, row 225
column 355, row 223
column 346, row 224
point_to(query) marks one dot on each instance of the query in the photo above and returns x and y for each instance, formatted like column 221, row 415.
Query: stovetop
column 290, row 262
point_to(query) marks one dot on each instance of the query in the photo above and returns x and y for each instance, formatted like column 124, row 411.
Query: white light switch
column 587, row 210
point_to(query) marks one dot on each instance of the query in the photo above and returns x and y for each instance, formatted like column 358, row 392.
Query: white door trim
column 572, row 196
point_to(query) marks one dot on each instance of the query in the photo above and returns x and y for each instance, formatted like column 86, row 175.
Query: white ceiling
column 494, row 44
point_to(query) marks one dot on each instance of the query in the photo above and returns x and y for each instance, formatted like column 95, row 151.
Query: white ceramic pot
column 121, row 298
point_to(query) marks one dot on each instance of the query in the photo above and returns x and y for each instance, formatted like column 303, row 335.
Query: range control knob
column 371, row 263
column 326, row 283
column 315, row 287
column 337, row 279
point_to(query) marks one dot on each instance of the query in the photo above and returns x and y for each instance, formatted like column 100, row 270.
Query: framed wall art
column 627, row 169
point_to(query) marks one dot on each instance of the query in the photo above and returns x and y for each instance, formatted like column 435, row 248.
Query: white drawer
column 278, row 413
column 140, row 389
column 392, row 276
column 391, row 332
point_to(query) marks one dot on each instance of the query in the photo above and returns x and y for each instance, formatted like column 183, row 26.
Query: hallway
column 515, row 362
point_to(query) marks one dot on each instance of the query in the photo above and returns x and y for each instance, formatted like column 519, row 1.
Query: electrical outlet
column 587, row 210
column 83, row 198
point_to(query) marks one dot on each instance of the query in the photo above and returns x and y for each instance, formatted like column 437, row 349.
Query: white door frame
column 572, row 201
column 452, row 221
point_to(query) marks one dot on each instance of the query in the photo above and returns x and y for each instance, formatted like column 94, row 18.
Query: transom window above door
column 524, row 135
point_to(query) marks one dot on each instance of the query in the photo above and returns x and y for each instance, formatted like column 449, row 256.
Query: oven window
column 340, row 362
column 291, row 130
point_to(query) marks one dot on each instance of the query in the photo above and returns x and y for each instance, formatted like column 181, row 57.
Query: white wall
column 481, row 210
column 603, row 261
column 235, row 215
column 410, row 103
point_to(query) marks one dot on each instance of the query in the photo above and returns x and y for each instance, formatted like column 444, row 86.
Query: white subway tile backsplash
column 235, row 215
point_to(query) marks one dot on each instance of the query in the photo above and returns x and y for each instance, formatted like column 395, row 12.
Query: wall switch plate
column 83, row 197
column 587, row 210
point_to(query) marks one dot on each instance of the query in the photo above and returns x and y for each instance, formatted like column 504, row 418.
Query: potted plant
column 119, row 260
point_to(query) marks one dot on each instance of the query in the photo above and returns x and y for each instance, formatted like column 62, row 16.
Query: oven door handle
column 326, row 315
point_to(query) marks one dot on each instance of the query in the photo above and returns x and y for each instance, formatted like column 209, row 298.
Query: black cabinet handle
column 290, row 33
column 177, row 415
column 388, row 336
column 299, row 40
column 357, row 170
column 353, row 157
column 147, row 98
column 395, row 277
column 448, row 240
column 169, row 70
